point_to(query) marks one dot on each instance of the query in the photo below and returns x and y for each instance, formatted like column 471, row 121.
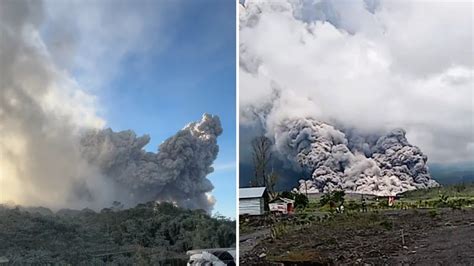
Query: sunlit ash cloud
column 367, row 69
column 54, row 149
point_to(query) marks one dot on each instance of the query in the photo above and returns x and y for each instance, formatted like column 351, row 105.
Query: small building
column 282, row 205
column 253, row 200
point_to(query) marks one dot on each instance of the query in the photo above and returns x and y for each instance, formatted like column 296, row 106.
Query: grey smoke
column 369, row 65
column 177, row 173
column 39, row 158
column 54, row 151
column 347, row 74
column 349, row 161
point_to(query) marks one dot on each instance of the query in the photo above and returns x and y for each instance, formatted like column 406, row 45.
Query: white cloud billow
column 362, row 68
column 373, row 65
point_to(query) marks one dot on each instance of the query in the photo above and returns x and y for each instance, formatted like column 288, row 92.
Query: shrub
column 301, row 201
column 353, row 206
column 278, row 230
column 334, row 199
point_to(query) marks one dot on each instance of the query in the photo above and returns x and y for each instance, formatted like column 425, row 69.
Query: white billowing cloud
column 42, row 112
column 373, row 65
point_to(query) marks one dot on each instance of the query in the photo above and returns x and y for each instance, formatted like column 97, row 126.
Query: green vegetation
column 145, row 234
column 333, row 199
column 457, row 190
column 454, row 196
column 301, row 201
column 278, row 230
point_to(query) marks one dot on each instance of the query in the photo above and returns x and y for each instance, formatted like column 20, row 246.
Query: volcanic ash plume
column 327, row 81
column 344, row 159
column 53, row 149
column 365, row 64
column 177, row 173
column 42, row 111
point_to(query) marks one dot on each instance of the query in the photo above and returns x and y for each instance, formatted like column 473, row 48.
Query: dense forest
column 146, row 234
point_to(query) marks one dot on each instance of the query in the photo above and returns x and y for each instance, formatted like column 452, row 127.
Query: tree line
column 144, row 234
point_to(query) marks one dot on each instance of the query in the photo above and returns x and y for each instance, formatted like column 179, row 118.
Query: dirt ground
column 421, row 237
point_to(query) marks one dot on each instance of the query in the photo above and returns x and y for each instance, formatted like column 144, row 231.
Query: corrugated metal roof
column 251, row 192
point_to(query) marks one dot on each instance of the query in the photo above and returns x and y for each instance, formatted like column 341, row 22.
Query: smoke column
column 54, row 151
column 359, row 79
column 371, row 65
column 42, row 112
column 347, row 160
column 177, row 173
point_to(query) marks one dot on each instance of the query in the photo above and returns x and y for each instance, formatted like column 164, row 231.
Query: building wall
column 251, row 206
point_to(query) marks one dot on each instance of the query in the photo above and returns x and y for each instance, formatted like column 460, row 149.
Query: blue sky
column 156, row 66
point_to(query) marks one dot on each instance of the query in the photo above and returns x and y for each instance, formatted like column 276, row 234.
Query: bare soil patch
column 422, row 237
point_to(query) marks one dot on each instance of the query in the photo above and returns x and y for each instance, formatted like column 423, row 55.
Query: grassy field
column 458, row 190
column 452, row 196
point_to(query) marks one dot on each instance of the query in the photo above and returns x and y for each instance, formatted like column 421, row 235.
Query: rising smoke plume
column 177, row 173
column 54, row 151
column 338, row 160
column 358, row 70
column 371, row 65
